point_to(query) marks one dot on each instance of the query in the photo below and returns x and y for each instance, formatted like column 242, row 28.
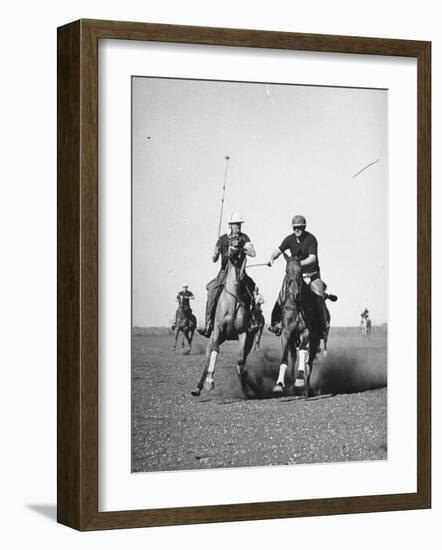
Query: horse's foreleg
column 209, row 364
column 245, row 345
column 292, row 356
column 187, row 334
column 280, row 383
column 258, row 338
column 303, row 368
column 177, row 331
column 190, row 338
column 211, row 357
column 313, row 346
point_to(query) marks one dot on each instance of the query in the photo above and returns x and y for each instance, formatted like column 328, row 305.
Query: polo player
column 233, row 241
column 303, row 245
column 258, row 299
column 183, row 298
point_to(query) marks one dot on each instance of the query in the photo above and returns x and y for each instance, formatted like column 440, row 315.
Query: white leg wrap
column 302, row 360
column 281, row 376
column 212, row 363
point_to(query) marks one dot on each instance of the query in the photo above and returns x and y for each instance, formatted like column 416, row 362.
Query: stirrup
column 332, row 297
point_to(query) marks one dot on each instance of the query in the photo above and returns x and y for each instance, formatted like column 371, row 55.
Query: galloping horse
column 231, row 322
column 298, row 313
column 186, row 324
column 260, row 321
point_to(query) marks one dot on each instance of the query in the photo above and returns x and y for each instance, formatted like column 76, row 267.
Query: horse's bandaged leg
column 302, row 359
column 281, row 376
column 302, row 365
column 211, row 370
column 212, row 362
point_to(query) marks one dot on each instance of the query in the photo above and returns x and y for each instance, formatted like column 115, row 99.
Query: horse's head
column 236, row 253
column 293, row 273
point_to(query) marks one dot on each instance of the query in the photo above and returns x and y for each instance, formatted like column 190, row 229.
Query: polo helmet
column 299, row 221
column 235, row 217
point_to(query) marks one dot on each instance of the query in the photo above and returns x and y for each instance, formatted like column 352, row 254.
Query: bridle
column 293, row 289
column 239, row 271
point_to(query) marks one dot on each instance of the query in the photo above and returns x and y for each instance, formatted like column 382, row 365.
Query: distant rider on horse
column 183, row 298
column 234, row 240
column 364, row 315
column 303, row 245
column 258, row 299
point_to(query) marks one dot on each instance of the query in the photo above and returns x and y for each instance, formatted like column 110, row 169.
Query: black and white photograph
column 259, row 274
column 221, row 234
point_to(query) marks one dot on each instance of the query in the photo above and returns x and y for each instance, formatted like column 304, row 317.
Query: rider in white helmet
column 235, row 240
column 304, row 245
column 183, row 298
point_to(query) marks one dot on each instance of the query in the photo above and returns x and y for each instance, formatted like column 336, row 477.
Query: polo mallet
column 268, row 264
column 197, row 391
column 222, row 197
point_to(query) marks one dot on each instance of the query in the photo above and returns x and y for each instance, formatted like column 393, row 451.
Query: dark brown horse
column 185, row 323
column 232, row 318
column 300, row 334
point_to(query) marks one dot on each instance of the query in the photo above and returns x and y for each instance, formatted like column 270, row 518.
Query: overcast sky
column 293, row 150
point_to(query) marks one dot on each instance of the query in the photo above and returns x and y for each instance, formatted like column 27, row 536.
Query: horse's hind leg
column 188, row 334
column 245, row 345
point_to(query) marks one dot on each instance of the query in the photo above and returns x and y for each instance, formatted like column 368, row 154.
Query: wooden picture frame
column 77, row 223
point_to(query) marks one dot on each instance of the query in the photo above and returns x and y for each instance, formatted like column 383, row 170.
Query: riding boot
column 206, row 330
column 331, row 297
column 322, row 315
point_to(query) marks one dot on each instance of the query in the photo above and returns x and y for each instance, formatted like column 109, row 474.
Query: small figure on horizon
column 183, row 298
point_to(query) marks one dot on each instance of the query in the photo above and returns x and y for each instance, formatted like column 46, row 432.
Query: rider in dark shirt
column 183, row 298
column 304, row 245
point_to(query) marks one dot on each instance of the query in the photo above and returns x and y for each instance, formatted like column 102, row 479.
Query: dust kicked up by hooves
column 341, row 371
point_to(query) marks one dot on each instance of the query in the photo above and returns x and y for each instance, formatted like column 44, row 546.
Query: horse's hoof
column 209, row 384
column 196, row 392
column 300, row 381
column 278, row 390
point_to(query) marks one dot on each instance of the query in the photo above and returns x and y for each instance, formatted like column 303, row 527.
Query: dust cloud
column 340, row 371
